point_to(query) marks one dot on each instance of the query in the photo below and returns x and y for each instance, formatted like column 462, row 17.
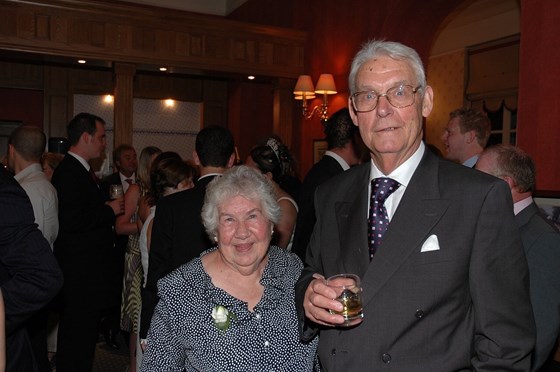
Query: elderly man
column 541, row 242
column 466, row 136
column 445, row 288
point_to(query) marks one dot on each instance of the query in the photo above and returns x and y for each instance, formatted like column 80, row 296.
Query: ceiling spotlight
column 169, row 102
column 163, row 69
column 81, row 61
column 251, row 77
column 108, row 98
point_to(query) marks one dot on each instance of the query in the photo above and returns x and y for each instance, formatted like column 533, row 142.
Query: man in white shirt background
column 26, row 145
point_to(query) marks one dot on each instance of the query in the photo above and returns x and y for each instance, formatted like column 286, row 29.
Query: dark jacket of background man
column 29, row 274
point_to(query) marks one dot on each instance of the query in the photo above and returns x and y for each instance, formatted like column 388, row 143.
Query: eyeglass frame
column 414, row 91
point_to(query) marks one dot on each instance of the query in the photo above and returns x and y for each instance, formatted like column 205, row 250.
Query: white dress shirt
column 402, row 175
column 43, row 199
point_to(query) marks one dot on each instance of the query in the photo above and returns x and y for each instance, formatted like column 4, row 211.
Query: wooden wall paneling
column 57, row 101
column 20, row 75
column 123, row 103
column 215, row 98
column 120, row 31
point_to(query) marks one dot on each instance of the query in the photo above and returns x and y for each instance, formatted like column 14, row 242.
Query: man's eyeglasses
column 400, row 96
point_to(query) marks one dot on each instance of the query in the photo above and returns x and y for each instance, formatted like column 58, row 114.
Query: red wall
column 538, row 128
column 336, row 30
column 22, row 105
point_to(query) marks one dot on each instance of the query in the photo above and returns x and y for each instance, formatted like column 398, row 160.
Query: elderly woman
column 232, row 309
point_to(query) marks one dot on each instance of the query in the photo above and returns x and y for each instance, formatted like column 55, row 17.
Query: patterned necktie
column 129, row 181
column 381, row 188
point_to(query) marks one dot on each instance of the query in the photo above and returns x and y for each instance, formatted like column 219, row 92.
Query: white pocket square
column 431, row 244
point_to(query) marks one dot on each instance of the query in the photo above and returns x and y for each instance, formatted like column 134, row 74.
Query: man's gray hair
column 381, row 48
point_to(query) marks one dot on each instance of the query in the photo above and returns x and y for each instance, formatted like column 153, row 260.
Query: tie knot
column 382, row 187
column 129, row 181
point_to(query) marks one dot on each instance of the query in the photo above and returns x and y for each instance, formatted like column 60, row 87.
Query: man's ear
column 427, row 101
column 510, row 182
column 231, row 160
column 195, row 158
column 471, row 136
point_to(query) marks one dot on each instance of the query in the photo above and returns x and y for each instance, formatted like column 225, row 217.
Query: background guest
column 29, row 274
column 125, row 163
column 466, row 136
column 178, row 235
column 129, row 224
column 49, row 162
column 267, row 160
column 25, row 148
column 84, row 244
column 169, row 174
column 341, row 154
column 243, row 286
column 289, row 182
column 541, row 242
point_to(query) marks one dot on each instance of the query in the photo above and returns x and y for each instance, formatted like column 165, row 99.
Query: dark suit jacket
column 464, row 306
column 541, row 242
column 85, row 238
column 178, row 236
column 323, row 170
column 29, row 274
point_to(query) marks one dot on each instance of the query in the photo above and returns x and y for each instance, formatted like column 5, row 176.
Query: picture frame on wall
column 319, row 148
column 550, row 207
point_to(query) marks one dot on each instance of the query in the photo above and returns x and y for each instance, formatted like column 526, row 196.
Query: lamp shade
column 299, row 97
column 325, row 85
column 304, row 85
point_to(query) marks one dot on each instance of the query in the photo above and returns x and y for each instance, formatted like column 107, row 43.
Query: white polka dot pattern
column 183, row 336
column 381, row 188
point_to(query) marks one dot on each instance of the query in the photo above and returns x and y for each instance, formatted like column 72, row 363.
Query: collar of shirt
column 470, row 162
column 30, row 169
column 209, row 175
column 81, row 160
column 522, row 204
column 337, row 157
column 124, row 178
column 402, row 175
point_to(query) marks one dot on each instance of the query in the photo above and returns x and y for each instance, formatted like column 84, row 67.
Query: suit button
column 333, row 352
column 419, row 314
column 386, row 358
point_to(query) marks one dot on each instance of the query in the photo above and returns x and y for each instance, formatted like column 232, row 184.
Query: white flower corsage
column 222, row 317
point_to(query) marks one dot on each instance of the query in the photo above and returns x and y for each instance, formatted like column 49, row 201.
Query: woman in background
column 267, row 159
column 130, row 223
column 49, row 162
column 169, row 174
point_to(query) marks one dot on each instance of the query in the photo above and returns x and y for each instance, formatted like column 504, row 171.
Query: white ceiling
column 214, row 7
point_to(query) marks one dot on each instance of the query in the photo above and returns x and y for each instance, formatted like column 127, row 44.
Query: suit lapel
column 352, row 224
column 419, row 210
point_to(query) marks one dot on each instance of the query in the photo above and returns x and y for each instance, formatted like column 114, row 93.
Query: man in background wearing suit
column 126, row 163
column 29, row 274
column 84, row 244
column 341, row 154
column 445, row 288
column 541, row 241
column 178, row 235
column 466, row 136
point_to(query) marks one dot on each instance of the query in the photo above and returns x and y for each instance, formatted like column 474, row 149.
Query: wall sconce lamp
column 304, row 90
